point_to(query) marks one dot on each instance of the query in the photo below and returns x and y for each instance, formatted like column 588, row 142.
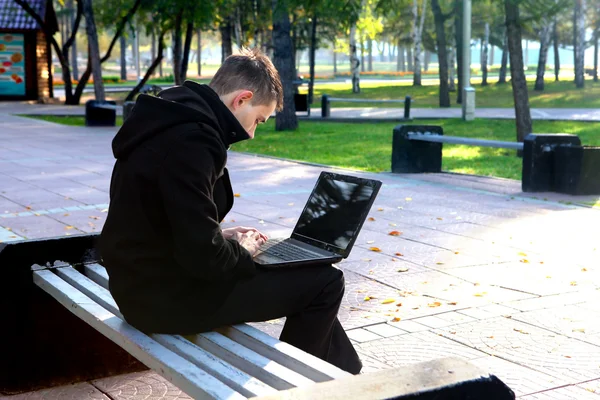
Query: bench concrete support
column 413, row 156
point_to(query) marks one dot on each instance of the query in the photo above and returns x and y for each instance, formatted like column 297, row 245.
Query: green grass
column 368, row 146
column 555, row 95
column 70, row 121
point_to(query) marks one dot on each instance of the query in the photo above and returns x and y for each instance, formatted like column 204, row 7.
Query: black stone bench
column 65, row 327
column 551, row 162
column 326, row 104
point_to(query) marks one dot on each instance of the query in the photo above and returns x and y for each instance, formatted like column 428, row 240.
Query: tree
column 93, row 49
column 61, row 54
column 545, row 32
column 556, row 52
column 417, row 37
column 440, row 35
column 519, row 84
column 283, row 60
column 354, row 62
column 484, row 57
column 579, row 42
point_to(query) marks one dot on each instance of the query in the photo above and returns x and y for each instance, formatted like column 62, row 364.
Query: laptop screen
column 335, row 211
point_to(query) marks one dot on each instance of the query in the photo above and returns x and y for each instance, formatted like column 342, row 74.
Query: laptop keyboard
column 287, row 251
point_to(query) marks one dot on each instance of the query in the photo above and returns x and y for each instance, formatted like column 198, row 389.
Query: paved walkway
column 374, row 114
column 503, row 280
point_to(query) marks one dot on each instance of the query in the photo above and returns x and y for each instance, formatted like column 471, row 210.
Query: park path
column 477, row 270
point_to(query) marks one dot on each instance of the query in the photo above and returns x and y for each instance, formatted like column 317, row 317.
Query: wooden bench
column 238, row 362
column 326, row 104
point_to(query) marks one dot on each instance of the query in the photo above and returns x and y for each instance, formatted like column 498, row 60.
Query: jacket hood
column 189, row 103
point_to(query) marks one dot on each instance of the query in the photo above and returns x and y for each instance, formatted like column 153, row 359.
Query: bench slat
column 270, row 372
column 233, row 377
column 187, row 376
column 97, row 273
column 283, row 353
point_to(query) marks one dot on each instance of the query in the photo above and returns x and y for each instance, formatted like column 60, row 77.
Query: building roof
column 13, row 16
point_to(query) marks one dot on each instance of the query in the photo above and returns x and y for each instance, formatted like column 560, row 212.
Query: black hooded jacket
column 162, row 245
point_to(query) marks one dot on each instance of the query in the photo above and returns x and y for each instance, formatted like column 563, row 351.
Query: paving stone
column 530, row 346
column 79, row 391
column 138, row 386
column 412, row 348
column 371, row 364
column 385, row 330
column 520, row 379
column 489, row 311
column 409, row 325
column 591, row 386
column 564, row 393
column 580, row 297
column 361, row 335
column 37, row 227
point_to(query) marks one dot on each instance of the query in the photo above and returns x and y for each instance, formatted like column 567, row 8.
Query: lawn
column 555, row 95
column 369, row 146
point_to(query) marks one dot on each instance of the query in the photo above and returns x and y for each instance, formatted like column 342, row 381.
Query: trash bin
column 576, row 170
column 100, row 113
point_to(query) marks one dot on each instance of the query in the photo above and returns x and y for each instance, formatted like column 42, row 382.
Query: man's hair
column 251, row 70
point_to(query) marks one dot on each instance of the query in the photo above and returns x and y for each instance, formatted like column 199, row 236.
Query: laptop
column 328, row 226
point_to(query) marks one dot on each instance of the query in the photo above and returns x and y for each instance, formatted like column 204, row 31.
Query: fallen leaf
column 236, row 194
column 69, row 227
column 583, row 269
column 403, row 269
column 408, row 199
column 490, row 337
column 522, row 254
column 394, row 260
column 568, row 357
column 395, row 233
column 371, row 219
column 37, row 215
column 582, row 330
column 398, row 305
column 399, row 254
column 524, row 261
column 66, row 215
column 28, row 208
column 370, row 241
column 105, row 210
column 397, row 319
column 94, row 217
column 367, row 298
column 573, row 283
column 480, row 294
column 477, row 284
column 392, row 224
column 233, row 220
column 456, row 252
column 439, row 263
column 434, row 304
column 452, row 303
column 365, row 259
column 388, row 301
column 376, row 249
column 361, row 291
column 453, row 332
column 548, row 277
column 520, row 331
column 439, row 218
column 380, row 209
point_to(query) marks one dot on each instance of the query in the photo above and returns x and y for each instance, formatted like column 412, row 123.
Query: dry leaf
column 439, row 218
column 573, row 283
column 392, row 224
column 380, row 209
column 28, row 208
column 69, row 227
column 403, row 269
column 376, row 249
column 395, row 233
column 439, row 263
column 388, row 301
column 522, row 254
column 399, row 254
column 525, row 261
column 361, row 291
column 394, row 260
column 66, row 215
column 365, row 259
column 434, row 304
column 490, row 337
column 520, row 331
column 456, row 252
column 367, row 298
column 480, row 294
column 236, row 195
column 567, row 356
column 408, row 199
column 397, row 319
column 452, row 303
column 583, row 269
column 398, row 305
column 94, row 217
column 582, row 330
column 371, row 219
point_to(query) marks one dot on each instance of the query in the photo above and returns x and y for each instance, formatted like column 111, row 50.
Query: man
column 172, row 268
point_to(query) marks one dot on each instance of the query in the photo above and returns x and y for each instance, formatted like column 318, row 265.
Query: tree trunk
column 458, row 40
column 177, row 50
column 370, row 54
column 452, row 69
column 153, row 45
column 484, row 55
column 283, row 60
column 544, row 45
column 503, row 61
column 556, row 52
column 426, row 59
column 334, row 62
column 311, row 58
column 199, row 55
column 381, row 51
column 526, row 53
column 189, row 35
column 519, row 84
column 226, row 45
column 409, row 58
column 354, row 63
column 579, row 42
column 440, row 34
column 596, row 35
column 123, row 45
column 362, row 56
column 155, row 63
column 237, row 27
column 492, row 53
column 74, row 27
column 400, row 62
column 94, row 49
column 417, row 35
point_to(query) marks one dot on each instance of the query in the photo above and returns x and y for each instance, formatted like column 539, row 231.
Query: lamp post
column 468, row 103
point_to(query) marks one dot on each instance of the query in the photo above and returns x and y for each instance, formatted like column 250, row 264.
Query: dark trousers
column 309, row 298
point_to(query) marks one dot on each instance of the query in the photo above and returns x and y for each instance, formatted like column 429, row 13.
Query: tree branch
column 71, row 39
column 120, row 28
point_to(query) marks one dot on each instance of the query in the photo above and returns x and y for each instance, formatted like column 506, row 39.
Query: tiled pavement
column 479, row 270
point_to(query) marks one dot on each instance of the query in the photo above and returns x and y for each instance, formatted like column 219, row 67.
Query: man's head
column 250, row 87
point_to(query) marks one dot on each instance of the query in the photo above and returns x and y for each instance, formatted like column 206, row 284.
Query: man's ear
column 242, row 98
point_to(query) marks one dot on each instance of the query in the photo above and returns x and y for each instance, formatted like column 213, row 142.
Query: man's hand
column 229, row 233
column 250, row 240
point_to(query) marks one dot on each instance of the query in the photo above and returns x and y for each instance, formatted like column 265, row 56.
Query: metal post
column 325, row 106
column 468, row 103
column 407, row 102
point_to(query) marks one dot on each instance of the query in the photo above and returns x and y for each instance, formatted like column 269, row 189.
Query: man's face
column 248, row 114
